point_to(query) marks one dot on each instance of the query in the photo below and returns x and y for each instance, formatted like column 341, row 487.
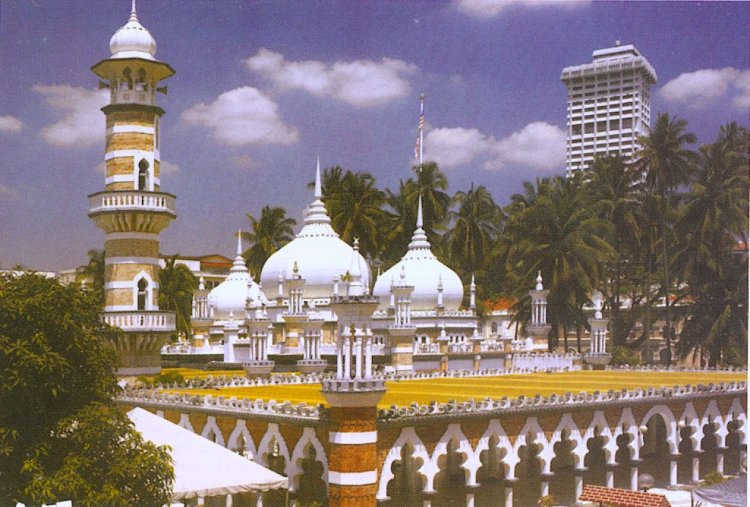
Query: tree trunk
column 665, row 250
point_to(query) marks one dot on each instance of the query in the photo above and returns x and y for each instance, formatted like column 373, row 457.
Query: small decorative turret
column 402, row 330
column 473, row 294
column 598, row 357
column 537, row 326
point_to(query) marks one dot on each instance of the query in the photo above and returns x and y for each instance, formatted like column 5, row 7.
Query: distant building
column 212, row 268
column 608, row 105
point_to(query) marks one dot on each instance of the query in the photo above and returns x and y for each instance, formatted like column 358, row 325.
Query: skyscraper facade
column 608, row 105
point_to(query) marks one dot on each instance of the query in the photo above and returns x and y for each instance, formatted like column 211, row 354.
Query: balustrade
column 131, row 200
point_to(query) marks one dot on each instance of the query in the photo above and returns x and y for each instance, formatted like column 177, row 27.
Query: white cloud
column 538, row 145
column 7, row 192
column 10, row 124
column 702, row 88
column 360, row 83
column 242, row 116
column 82, row 122
column 166, row 167
column 485, row 9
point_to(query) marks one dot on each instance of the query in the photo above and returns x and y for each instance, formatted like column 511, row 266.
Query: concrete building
column 608, row 105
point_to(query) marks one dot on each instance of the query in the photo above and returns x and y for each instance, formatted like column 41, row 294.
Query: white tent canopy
column 201, row 467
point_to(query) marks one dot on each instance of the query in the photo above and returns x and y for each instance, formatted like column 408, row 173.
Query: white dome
column 231, row 295
column 425, row 272
column 132, row 40
column 319, row 253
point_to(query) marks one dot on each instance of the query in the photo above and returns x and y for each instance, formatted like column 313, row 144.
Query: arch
column 712, row 415
column 184, row 422
column 737, row 413
column 532, row 428
column 472, row 463
column 574, row 435
column 407, row 436
column 144, row 180
column 264, row 448
column 143, row 297
column 308, row 438
column 669, row 422
column 690, row 418
column 494, row 428
column 628, row 426
column 240, row 429
column 599, row 424
column 211, row 429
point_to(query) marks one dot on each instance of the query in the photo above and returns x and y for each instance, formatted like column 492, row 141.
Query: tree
column 431, row 184
column 56, row 391
column 267, row 234
column 355, row 206
column 555, row 234
column 94, row 271
column 611, row 190
column 176, row 286
column 475, row 225
column 666, row 164
column 715, row 217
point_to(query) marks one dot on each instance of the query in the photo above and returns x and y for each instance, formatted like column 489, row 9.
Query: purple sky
column 335, row 79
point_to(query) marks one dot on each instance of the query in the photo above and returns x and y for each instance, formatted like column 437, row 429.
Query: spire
column 356, row 287
column 473, row 295
column 133, row 15
column 239, row 261
column 317, row 221
column 419, row 238
column 318, row 186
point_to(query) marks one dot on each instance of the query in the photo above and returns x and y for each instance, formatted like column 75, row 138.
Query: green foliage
column 93, row 272
column 56, row 391
column 267, row 234
column 624, row 356
column 164, row 378
column 176, row 286
column 712, row 478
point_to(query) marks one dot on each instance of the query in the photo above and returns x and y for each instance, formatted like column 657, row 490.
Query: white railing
column 427, row 348
column 141, row 320
column 131, row 200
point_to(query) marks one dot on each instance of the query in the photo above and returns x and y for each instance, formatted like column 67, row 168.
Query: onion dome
column 132, row 40
column 231, row 296
column 426, row 273
column 320, row 254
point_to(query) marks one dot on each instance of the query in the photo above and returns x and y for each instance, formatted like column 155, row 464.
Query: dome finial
column 239, row 238
column 420, row 222
column 133, row 15
column 318, row 186
column 539, row 285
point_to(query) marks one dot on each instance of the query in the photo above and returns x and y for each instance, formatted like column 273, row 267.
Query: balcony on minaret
column 141, row 320
column 132, row 210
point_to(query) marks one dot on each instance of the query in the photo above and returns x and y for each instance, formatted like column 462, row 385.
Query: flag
column 420, row 128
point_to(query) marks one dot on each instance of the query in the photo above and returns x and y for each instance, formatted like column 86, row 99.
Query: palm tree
column 666, row 164
column 431, row 184
column 557, row 235
column 611, row 191
column 94, row 272
column 403, row 221
column 715, row 217
column 475, row 226
column 267, row 234
column 176, row 286
column 356, row 210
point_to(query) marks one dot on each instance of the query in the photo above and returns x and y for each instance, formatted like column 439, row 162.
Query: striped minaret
column 353, row 396
column 132, row 210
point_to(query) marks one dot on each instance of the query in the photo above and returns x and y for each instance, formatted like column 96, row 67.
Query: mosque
column 287, row 322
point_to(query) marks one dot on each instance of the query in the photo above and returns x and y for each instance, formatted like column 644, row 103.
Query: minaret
column 132, row 210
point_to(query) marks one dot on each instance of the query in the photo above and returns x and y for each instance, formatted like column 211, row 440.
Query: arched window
column 128, row 78
column 142, row 293
column 494, row 328
column 143, row 174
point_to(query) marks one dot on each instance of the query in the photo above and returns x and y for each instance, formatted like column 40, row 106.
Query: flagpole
column 421, row 130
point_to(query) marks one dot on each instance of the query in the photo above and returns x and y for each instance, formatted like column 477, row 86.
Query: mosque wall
column 520, row 448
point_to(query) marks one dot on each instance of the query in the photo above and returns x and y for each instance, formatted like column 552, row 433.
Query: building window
column 143, row 174
column 142, row 293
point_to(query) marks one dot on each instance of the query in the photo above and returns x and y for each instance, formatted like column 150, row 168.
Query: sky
column 263, row 88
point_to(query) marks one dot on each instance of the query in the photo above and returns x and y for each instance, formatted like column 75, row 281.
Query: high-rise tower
column 132, row 210
column 609, row 105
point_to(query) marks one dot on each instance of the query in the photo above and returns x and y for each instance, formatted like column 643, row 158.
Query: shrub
column 625, row 356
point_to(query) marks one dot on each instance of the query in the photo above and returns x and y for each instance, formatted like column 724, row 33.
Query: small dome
column 231, row 295
column 425, row 273
column 132, row 40
column 319, row 253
